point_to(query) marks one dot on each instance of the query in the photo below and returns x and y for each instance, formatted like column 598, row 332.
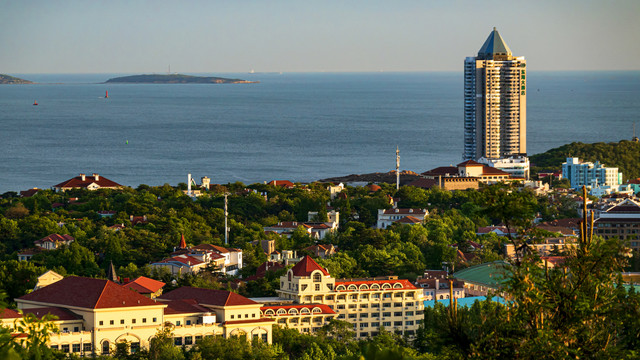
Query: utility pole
column 226, row 215
column 397, row 168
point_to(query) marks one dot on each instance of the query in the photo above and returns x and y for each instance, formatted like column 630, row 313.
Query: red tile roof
column 29, row 193
column 87, row 293
column 183, row 259
column 208, row 296
column 283, row 183
column 469, row 163
column 406, row 284
column 409, row 220
column 77, row 182
column 488, row 170
column 211, row 247
column 9, row 314
column 373, row 187
column 306, row 266
column 405, row 211
column 186, row 306
column 423, row 183
column 442, row 171
column 61, row 314
column 144, row 285
column 55, row 238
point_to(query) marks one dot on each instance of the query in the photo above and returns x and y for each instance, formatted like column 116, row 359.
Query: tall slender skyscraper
column 495, row 102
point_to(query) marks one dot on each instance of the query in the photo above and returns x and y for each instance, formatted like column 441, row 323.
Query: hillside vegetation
column 624, row 155
column 6, row 79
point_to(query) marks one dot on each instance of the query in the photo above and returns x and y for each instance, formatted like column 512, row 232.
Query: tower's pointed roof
column 111, row 273
column 494, row 45
column 183, row 243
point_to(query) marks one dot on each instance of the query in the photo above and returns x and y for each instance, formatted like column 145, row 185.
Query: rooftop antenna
column 397, row 168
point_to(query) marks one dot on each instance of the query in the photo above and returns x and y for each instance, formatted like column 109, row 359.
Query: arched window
column 305, row 311
column 386, row 286
column 340, row 287
column 105, row 347
column 375, row 287
column 316, row 310
column 317, row 276
column 269, row 312
column 352, row 287
column 397, row 286
column 293, row 311
column 289, row 275
column 441, row 297
column 282, row 311
column 364, row 287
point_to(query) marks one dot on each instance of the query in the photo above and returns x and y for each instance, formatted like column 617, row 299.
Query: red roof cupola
column 306, row 266
column 183, row 243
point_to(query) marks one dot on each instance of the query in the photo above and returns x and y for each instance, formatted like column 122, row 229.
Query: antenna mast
column 397, row 168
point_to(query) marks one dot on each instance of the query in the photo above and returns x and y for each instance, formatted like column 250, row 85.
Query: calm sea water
column 300, row 127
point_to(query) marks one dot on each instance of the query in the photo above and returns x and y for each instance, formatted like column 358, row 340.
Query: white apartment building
column 589, row 174
column 387, row 217
column 517, row 165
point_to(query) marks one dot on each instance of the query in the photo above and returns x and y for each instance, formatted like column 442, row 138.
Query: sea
column 289, row 126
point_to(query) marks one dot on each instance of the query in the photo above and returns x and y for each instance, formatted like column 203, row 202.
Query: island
column 176, row 79
column 6, row 79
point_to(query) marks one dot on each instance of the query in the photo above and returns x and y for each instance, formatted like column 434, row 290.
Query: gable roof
column 306, row 266
column 187, row 306
column 211, row 247
column 442, row 171
column 55, row 238
column 77, row 182
column 9, row 314
column 469, row 163
column 626, row 206
column 207, row 296
column 144, row 285
column 87, row 293
column 61, row 314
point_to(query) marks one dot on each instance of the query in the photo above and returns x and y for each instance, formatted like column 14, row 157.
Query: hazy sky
column 237, row 36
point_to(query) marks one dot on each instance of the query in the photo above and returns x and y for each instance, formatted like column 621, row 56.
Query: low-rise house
column 550, row 247
column 54, row 241
column 498, row 230
column 29, row 193
column 334, row 190
column 386, row 217
column 282, row 183
column 436, row 285
column 322, row 251
column 232, row 257
column 181, row 264
column 135, row 220
column 83, row 181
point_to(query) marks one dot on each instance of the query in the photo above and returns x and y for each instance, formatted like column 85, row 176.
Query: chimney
column 96, row 177
column 82, row 177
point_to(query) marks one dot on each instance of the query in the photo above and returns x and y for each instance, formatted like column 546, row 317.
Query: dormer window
column 317, row 277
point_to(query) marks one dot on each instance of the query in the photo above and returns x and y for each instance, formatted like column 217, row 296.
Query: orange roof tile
column 207, row 296
column 145, row 285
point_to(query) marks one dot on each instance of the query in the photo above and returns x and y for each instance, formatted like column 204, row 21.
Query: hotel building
column 494, row 102
column 368, row 304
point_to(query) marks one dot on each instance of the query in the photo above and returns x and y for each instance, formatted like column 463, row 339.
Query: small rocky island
column 176, row 79
column 6, row 79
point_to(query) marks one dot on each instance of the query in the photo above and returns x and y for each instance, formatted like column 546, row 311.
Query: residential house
column 82, row 181
column 386, row 217
column 322, row 251
column 436, row 285
column 148, row 287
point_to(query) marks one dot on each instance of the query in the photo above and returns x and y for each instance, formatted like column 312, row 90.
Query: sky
column 136, row 36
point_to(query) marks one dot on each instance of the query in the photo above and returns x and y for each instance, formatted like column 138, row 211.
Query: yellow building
column 397, row 305
column 95, row 314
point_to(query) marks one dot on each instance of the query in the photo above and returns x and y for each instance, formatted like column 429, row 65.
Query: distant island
column 6, row 79
column 176, row 79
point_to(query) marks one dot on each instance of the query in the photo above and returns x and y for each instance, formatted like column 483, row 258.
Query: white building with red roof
column 95, row 314
column 389, row 302
column 386, row 217
column 53, row 241
column 82, row 181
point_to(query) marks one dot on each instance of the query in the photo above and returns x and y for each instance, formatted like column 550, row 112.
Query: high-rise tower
column 495, row 102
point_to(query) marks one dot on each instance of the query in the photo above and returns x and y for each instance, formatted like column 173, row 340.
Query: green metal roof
column 494, row 45
column 491, row 274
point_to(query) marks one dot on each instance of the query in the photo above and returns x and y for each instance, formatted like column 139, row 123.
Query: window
column 317, row 277
column 386, row 323
column 264, row 337
column 101, row 323
column 198, row 338
column 409, row 313
column 177, row 341
column 110, row 322
column 253, row 315
column 178, row 322
column 352, row 316
column 352, row 306
column 105, row 347
column 65, row 348
column 409, row 323
column 340, row 307
column 135, row 347
column 375, row 314
column 75, row 348
column 375, row 305
column 54, row 347
column 398, row 304
column 188, row 322
column 87, row 348
column 76, row 329
column 188, row 340
column 364, row 334
column 133, row 321
column 375, row 324
column 364, row 315
column 232, row 316
column 317, row 287
column 255, row 337
column 121, row 321
column 386, row 314
column 386, row 304
column 397, row 323
column 364, row 325
column 364, row 306
column 397, row 313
